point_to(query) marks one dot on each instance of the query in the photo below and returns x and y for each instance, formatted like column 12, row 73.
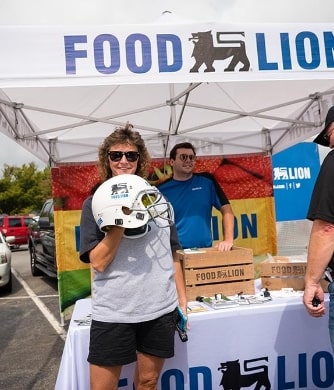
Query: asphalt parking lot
column 32, row 337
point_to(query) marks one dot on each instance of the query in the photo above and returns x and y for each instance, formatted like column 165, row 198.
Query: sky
column 14, row 154
column 78, row 12
column 44, row 12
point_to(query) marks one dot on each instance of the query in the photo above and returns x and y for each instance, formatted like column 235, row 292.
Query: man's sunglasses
column 117, row 156
column 184, row 157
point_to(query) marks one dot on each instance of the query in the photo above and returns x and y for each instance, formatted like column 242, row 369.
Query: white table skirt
column 276, row 341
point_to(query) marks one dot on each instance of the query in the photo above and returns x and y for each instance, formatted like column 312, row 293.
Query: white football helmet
column 130, row 201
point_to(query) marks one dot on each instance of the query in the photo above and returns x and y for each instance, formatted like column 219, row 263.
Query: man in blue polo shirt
column 192, row 196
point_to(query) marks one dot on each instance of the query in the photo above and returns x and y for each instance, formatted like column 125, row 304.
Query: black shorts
column 116, row 344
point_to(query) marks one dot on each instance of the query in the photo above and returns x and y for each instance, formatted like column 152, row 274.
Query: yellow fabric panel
column 67, row 253
column 255, row 224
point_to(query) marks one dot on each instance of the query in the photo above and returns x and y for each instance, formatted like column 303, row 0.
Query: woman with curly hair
column 137, row 280
column 128, row 140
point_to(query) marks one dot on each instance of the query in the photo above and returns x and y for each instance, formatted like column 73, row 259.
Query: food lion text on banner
column 199, row 51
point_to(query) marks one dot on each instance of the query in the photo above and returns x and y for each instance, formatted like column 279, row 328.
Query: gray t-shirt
column 138, row 285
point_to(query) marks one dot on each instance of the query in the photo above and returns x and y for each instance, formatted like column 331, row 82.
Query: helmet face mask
column 159, row 210
column 131, row 202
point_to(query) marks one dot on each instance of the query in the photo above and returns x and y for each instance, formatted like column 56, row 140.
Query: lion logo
column 119, row 188
column 233, row 379
column 206, row 53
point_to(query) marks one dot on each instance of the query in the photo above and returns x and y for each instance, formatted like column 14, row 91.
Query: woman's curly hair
column 124, row 135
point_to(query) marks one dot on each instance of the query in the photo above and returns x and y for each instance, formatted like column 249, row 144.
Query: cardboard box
column 285, row 272
column 208, row 272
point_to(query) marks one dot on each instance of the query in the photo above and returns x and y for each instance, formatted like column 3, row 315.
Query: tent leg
column 62, row 319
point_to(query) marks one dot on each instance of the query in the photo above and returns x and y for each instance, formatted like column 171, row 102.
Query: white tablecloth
column 275, row 343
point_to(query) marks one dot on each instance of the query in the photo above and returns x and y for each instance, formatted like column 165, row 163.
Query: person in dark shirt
column 321, row 242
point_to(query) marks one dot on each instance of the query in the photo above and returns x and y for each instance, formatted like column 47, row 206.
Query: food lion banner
column 295, row 172
column 275, row 345
column 246, row 180
column 188, row 52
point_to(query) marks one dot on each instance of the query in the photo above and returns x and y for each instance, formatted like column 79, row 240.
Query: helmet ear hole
column 126, row 210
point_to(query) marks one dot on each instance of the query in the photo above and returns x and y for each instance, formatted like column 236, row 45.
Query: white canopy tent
column 66, row 124
column 62, row 116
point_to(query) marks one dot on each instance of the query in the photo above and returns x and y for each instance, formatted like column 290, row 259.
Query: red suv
column 16, row 226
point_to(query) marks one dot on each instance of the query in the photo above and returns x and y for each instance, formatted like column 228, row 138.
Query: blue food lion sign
column 295, row 171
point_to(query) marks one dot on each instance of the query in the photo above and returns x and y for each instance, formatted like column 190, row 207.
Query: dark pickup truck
column 42, row 245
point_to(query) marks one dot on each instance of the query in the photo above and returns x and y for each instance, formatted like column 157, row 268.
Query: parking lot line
column 45, row 311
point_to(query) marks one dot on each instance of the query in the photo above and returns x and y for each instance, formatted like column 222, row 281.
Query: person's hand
column 184, row 311
column 224, row 246
column 310, row 293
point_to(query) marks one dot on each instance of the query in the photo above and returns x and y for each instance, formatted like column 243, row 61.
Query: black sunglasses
column 117, row 156
column 185, row 157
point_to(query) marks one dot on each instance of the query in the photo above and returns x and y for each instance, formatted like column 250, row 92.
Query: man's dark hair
column 182, row 145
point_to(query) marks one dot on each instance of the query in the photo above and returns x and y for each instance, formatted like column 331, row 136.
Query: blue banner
column 294, row 174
